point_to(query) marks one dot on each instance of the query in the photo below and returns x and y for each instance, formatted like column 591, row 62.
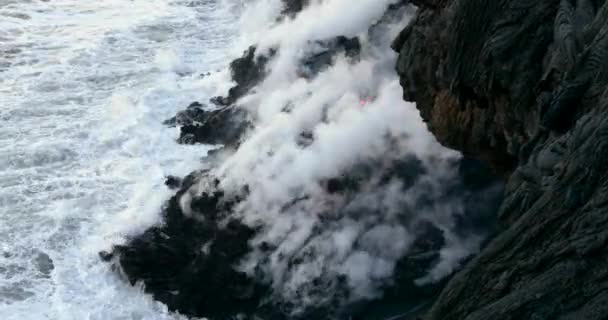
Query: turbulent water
column 84, row 87
column 84, row 90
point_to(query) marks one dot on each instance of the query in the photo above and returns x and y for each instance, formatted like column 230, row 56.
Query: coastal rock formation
column 185, row 263
column 189, row 262
column 247, row 71
column 292, row 7
column 198, row 124
column 370, row 238
column 522, row 85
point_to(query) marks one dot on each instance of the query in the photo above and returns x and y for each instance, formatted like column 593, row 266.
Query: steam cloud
column 306, row 132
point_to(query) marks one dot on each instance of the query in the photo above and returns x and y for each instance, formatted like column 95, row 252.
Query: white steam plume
column 314, row 242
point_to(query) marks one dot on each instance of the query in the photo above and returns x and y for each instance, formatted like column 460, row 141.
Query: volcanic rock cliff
column 522, row 85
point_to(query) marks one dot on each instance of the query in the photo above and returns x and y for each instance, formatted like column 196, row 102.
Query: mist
column 315, row 246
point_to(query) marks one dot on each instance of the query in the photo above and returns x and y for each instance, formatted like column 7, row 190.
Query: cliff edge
column 522, row 86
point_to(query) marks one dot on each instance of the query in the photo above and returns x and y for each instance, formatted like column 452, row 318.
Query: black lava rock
column 223, row 126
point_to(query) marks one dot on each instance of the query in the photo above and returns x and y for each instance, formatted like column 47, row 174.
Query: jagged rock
column 188, row 261
column 44, row 264
column 522, row 85
column 222, row 126
column 173, row 182
column 247, row 71
column 292, row 7
column 227, row 124
column 106, row 256
column 220, row 101
column 186, row 138
column 187, row 117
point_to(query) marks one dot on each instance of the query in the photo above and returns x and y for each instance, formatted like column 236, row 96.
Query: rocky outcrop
column 292, row 7
column 198, row 124
column 228, row 122
column 246, row 71
column 316, row 62
column 189, row 262
column 522, row 85
column 185, row 263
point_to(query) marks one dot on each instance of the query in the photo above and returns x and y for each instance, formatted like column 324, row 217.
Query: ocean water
column 84, row 88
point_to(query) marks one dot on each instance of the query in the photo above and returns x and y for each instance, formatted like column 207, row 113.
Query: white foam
column 83, row 150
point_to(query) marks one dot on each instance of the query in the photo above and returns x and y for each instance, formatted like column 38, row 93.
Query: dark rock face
column 227, row 124
column 223, row 126
column 189, row 262
column 522, row 85
column 292, row 7
column 173, row 182
column 463, row 63
column 186, row 263
column 247, row 71
column 220, row 126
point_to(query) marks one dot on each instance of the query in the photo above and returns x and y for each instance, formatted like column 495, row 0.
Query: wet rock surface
column 221, row 126
column 247, row 71
column 189, row 262
column 522, row 85
column 292, row 7
column 201, row 124
column 227, row 122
